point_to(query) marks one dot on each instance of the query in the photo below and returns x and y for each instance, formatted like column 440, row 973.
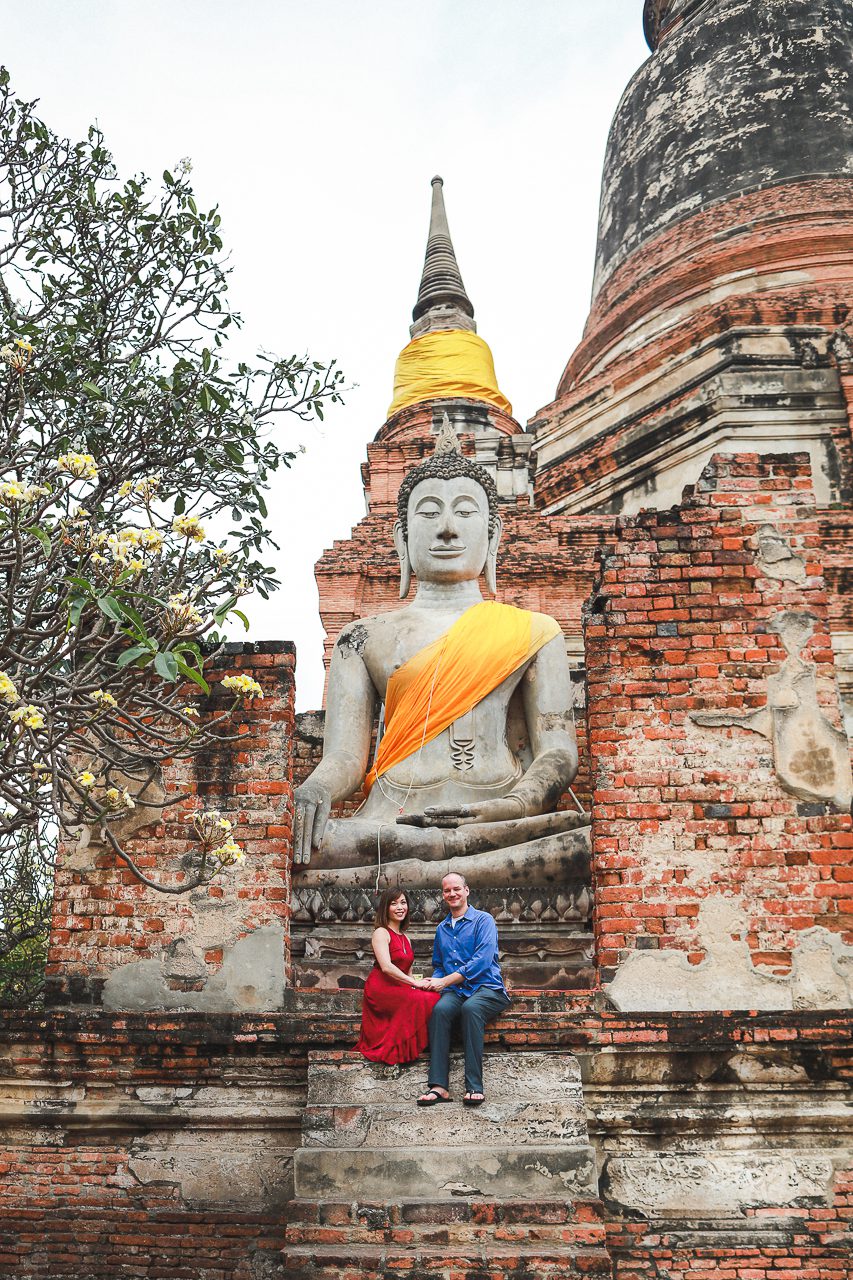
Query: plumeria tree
column 126, row 441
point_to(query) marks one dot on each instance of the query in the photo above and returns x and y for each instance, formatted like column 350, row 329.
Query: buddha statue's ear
column 405, row 563
column 492, row 558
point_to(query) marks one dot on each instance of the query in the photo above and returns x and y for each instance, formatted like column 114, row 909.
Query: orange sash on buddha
column 447, row 678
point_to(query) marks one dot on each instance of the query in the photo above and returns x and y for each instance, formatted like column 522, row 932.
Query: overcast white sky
column 317, row 125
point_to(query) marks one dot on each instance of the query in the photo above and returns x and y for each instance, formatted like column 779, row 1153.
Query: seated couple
column 402, row 1013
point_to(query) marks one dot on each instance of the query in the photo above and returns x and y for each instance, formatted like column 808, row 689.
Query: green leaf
column 43, row 537
column 262, row 507
column 75, row 610
column 129, row 612
column 109, row 606
column 180, row 505
column 166, row 665
column 191, row 674
column 222, row 612
column 131, row 655
column 205, row 399
column 92, row 390
column 241, row 615
column 235, row 453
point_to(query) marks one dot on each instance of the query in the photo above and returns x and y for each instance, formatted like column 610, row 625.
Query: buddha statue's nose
column 447, row 530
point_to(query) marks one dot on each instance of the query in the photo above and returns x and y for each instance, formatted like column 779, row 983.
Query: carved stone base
column 545, row 935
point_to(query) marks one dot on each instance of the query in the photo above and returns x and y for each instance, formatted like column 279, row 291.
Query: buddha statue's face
column 448, row 530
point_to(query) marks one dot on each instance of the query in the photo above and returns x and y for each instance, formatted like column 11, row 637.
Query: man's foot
column 433, row 1096
column 473, row 1099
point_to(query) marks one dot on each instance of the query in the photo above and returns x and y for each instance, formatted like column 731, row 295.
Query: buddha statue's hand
column 313, row 803
column 459, row 815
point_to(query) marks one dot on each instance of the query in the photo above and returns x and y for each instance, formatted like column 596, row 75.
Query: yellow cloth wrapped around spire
column 445, row 364
column 447, row 678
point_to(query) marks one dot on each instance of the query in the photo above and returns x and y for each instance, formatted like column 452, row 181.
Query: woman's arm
column 381, row 943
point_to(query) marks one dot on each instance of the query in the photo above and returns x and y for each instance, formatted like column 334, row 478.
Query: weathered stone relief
column 216, row 1168
column 149, row 798
column 250, row 979
column 652, row 981
column 776, row 559
column 712, row 1183
column 811, row 756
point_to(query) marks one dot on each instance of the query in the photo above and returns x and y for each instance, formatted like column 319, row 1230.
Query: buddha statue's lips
column 447, row 552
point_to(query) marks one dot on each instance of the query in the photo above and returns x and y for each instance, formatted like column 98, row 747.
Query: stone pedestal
column 363, row 1135
column 383, row 1186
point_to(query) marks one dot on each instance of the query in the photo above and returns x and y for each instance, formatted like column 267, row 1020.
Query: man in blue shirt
column 467, row 973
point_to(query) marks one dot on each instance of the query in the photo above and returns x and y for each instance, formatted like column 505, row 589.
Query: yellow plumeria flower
column 8, row 692
column 229, row 853
column 80, row 465
column 144, row 488
column 103, row 698
column 18, row 354
column 188, row 527
column 245, row 686
column 181, row 614
column 192, row 712
column 15, row 494
column 117, row 800
column 151, row 540
column 86, row 779
column 29, row 715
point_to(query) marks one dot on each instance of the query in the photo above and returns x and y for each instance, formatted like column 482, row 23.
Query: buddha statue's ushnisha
column 477, row 743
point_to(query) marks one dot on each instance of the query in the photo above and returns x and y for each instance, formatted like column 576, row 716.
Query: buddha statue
column 476, row 743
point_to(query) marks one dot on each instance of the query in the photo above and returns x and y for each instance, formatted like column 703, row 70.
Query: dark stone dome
column 739, row 95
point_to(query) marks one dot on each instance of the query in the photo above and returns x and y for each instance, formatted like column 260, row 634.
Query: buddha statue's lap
column 444, row 786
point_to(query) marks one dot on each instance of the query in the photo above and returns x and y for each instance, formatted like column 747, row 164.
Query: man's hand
column 459, row 815
column 439, row 984
column 313, row 803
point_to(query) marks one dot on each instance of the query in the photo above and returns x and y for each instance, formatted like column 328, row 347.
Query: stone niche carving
column 811, row 756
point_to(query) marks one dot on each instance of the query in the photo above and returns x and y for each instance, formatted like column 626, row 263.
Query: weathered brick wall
column 157, row 1147
column 686, row 815
column 105, row 919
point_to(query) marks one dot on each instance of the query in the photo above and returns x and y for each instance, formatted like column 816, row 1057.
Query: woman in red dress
column 396, row 1007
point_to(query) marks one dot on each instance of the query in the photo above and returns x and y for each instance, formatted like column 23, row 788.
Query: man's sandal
column 470, row 1101
column 431, row 1098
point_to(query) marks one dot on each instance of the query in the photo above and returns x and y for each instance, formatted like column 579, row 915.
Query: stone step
column 487, row 1262
column 522, row 1124
column 346, row 1079
column 504, row 1172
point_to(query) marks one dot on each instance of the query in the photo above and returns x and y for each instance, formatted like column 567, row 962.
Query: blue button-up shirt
column 469, row 947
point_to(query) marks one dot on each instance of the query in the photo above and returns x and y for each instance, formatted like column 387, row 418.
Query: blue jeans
column 474, row 1011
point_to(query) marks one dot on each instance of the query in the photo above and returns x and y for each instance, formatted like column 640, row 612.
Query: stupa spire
column 442, row 301
column 445, row 359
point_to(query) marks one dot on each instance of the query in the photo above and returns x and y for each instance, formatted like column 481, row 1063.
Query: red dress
column 394, row 1016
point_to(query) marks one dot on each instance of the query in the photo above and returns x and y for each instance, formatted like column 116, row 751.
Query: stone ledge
column 502, row 1172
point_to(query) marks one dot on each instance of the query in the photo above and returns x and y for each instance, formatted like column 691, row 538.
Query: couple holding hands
column 401, row 1013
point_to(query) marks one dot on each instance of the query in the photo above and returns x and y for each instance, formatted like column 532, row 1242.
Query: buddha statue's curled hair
column 447, row 464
